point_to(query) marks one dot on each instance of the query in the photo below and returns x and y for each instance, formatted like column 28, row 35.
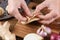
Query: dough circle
column 1, row 11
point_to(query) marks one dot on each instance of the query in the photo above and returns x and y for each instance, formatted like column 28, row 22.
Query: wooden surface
column 22, row 30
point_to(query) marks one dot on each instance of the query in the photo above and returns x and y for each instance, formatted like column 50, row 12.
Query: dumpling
column 29, row 20
column 1, row 10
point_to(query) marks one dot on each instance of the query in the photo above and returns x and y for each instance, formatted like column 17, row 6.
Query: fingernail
column 24, row 19
column 31, row 15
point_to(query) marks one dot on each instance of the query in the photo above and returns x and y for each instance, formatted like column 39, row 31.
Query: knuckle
column 10, row 10
column 48, row 22
column 37, row 7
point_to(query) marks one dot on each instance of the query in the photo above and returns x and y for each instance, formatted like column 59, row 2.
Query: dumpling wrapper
column 1, row 11
column 30, row 20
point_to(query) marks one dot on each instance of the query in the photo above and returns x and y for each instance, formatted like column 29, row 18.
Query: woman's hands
column 13, row 6
column 54, row 6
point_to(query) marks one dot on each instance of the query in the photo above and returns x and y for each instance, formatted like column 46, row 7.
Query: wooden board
column 22, row 30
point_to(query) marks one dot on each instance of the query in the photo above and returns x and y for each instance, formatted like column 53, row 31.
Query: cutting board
column 22, row 30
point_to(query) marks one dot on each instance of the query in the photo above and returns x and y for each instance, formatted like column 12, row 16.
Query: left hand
column 14, row 5
column 54, row 6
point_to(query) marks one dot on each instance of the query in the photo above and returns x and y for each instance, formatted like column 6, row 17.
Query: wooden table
column 22, row 30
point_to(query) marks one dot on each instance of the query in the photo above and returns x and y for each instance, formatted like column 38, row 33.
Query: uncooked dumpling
column 30, row 20
column 1, row 10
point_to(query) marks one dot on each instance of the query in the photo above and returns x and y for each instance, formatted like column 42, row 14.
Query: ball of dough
column 1, row 10
column 33, row 36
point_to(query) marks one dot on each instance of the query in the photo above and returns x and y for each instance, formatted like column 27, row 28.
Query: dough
column 29, row 20
column 33, row 36
column 1, row 10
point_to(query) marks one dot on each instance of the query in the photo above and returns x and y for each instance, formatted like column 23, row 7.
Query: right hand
column 13, row 6
column 54, row 14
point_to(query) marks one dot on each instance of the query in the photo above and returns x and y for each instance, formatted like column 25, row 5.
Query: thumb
column 40, row 7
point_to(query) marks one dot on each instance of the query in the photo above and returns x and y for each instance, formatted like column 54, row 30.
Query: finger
column 41, row 6
column 10, row 9
column 48, row 21
column 19, row 16
column 48, row 16
column 26, row 9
